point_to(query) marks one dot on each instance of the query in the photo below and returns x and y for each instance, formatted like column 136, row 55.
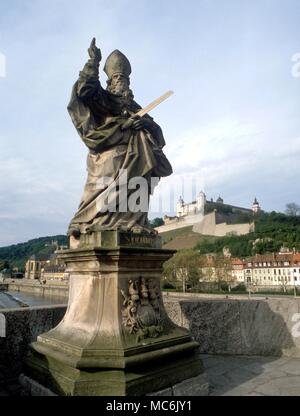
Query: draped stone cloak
column 98, row 116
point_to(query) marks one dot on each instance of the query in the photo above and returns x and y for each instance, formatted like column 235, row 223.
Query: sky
column 232, row 125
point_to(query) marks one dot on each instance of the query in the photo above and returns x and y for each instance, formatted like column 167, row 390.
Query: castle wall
column 180, row 223
column 238, row 229
column 207, row 226
column 170, row 227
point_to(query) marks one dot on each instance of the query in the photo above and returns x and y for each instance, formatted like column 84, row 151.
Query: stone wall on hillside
column 207, row 225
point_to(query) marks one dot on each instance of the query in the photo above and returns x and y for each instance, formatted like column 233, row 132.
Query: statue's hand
column 142, row 123
column 138, row 123
column 128, row 123
column 94, row 52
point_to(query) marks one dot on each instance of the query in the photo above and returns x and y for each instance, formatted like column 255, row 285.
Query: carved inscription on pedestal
column 135, row 240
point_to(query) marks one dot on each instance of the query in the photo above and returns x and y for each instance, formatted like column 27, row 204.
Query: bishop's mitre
column 117, row 63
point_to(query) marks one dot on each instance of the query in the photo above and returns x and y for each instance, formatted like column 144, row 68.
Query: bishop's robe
column 98, row 116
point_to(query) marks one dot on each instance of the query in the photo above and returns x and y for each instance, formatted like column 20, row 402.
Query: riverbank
column 49, row 290
column 59, row 290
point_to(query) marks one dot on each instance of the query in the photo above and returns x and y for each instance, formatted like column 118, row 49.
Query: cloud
column 237, row 161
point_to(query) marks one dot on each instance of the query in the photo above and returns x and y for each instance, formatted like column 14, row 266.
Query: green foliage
column 242, row 218
column 157, row 222
column 272, row 231
column 18, row 254
column 167, row 285
column 184, row 268
column 4, row 264
column 239, row 288
column 221, row 208
column 292, row 209
column 224, row 286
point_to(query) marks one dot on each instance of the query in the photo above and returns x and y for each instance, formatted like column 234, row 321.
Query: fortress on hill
column 211, row 217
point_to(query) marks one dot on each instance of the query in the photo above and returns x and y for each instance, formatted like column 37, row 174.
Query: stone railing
column 19, row 327
column 269, row 327
column 266, row 327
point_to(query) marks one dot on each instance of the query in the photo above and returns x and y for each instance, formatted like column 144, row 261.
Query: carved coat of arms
column 141, row 309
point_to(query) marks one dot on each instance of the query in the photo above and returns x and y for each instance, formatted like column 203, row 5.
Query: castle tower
column 220, row 200
column 255, row 206
column 201, row 201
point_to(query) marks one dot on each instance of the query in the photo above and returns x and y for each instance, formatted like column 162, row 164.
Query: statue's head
column 118, row 70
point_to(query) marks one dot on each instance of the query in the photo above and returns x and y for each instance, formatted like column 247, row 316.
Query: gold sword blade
column 154, row 104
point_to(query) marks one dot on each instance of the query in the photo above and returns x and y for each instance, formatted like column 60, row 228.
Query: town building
column 46, row 267
column 34, row 266
column 277, row 269
column 208, row 270
column 237, row 270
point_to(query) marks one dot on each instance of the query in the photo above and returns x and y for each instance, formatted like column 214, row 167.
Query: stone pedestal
column 115, row 338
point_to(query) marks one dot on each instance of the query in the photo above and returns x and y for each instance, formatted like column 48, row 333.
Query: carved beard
column 121, row 88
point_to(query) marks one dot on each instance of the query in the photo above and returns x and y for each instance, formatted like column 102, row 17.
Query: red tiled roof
column 237, row 261
column 296, row 257
column 272, row 257
column 269, row 258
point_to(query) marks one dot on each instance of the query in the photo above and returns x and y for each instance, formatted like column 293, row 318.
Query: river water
column 13, row 299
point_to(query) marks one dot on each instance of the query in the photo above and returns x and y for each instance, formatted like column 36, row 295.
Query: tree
column 209, row 274
column 4, row 264
column 223, row 270
column 283, row 283
column 157, row 222
column 292, row 209
column 184, row 269
column 272, row 231
column 18, row 254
